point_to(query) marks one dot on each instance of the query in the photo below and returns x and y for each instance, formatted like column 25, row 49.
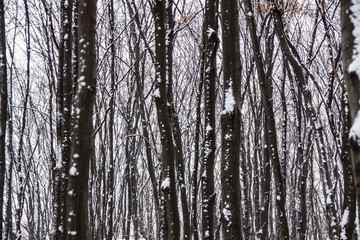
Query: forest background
column 165, row 119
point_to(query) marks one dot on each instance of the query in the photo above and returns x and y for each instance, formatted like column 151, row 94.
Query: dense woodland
column 175, row 119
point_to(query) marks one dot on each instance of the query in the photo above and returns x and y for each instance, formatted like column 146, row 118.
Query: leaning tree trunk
column 81, row 149
column 265, row 87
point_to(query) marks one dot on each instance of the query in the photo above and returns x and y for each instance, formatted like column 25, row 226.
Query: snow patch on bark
column 226, row 212
column 73, row 171
column 355, row 19
column 344, row 221
column 229, row 101
column 166, row 183
column 354, row 134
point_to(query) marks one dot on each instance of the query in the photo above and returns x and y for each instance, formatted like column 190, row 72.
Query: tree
column 170, row 223
column 266, row 93
column 350, row 48
column 230, row 123
column 210, row 27
column 77, row 189
column 64, row 100
column 3, row 110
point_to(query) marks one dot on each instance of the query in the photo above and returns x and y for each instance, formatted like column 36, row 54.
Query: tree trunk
column 266, row 88
column 230, row 123
column 3, row 110
column 350, row 55
column 81, row 149
column 170, row 224
column 207, row 176
column 64, row 103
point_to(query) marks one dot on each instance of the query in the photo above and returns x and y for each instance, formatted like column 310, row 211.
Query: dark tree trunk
column 81, row 149
column 349, row 204
column 110, row 177
column 352, row 79
column 230, row 123
column 266, row 89
column 64, row 103
column 207, row 176
column 3, row 110
column 170, row 223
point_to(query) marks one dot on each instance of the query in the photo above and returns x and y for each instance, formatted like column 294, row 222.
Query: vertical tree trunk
column 19, row 157
column 175, row 125
column 64, row 103
column 81, row 149
column 349, row 205
column 170, row 219
column 350, row 56
column 3, row 110
column 207, row 176
column 110, row 185
column 230, row 123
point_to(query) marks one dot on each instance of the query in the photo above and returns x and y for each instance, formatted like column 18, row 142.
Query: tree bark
column 170, row 223
column 81, row 149
column 230, row 123
column 3, row 110
column 352, row 79
column 207, row 177
column 64, row 100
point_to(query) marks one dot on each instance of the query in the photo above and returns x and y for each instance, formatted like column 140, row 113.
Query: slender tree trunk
column 175, row 125
column 64, row 103
column 349, row 206
column 110, row 185
column 3, row 110
column 207, row 176
column 350, row 56
column 170, row 224
column 266, row 88
column 81, row 149
column 20, row 155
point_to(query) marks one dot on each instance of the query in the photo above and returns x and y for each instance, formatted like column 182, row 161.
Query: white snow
column 226, row 212
column 76, row 155
column 344, row 221
column 166, row 183
column 278, row 198
column 227, row 137
column 210, row 31
column 204, row 174
column 72, row 233
column 229, row 101
column 355, row 19
column 58, row 164
column 73, row 171
column 81, row 78
column 354, row 134
column 208, row 128
column 157, row 93
column 71, row 193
